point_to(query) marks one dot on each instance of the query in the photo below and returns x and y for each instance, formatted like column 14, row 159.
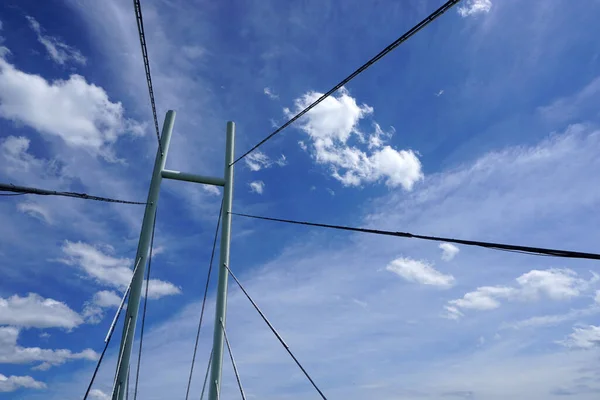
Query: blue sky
column 483, row 126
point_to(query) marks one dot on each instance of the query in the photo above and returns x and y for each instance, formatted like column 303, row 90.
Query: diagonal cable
column 20, row 190
column 283, row 343
column 536, row 251
column 140, row 25
column 235, row 370
column 206, row 375
column 111, row 329
column 210, row 264
column 449, row 4
column 139, row 360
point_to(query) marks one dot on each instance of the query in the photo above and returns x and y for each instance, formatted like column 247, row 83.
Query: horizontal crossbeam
column 182, row 176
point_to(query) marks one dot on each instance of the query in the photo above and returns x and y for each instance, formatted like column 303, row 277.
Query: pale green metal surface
column 221, row 307
column 183, row 176
column 143, row 249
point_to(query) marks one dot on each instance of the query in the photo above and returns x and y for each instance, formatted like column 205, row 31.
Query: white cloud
column 441, row 92
column 257, row 187
column 59, row 51
column 156, row 250
column 597, row 297
column 553, row 283
column 108, row 270
column 93, row 311
column 281, row 161
column 34, row 311
column 99, row 395
column 107, row 298
column 302, row 145
column 258, row 160
column 270, row 93
column 483, row 298
column 74, row 110
column 158, row 289
column 449, row 251
column 583, row 338
column 420, row 272
column 330, row 191
column 578, row 105
column 332, row 123
column 557, row 284
column 473, row 7
column 11, row 353
column 550, row 320
column 36, row 211
column 14, row 152
column 12, row 383
column 211, row 189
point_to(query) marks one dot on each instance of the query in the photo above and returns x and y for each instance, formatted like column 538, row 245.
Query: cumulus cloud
column 99, row 395
column 12, row 383
column 554, row 283
column 419, row 272
column 58, row 51
column 583, row 337
column 333, row 123
column 34, row 311
column 93, row 310
column 11, row 353
column 78, row 112
column 257, row 187
column 449, row 251
column 270, row 93
column 109, row 270
column 473, row 7
column 14, row 151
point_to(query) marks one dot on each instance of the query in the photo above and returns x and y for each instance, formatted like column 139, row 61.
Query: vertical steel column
column 214, row 385
column 143, row 249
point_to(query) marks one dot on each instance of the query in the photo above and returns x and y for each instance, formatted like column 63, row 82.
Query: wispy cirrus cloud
column 59, row 52
column 419, row 272
column 258, row 160
column 270, row 94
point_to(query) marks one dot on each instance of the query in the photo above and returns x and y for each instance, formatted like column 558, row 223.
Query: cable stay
column 235, row 370
column 536, row 251
column 434, row 15
column 210, row 265
column 272, row 328
column 21, row 190
column 140, row 25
